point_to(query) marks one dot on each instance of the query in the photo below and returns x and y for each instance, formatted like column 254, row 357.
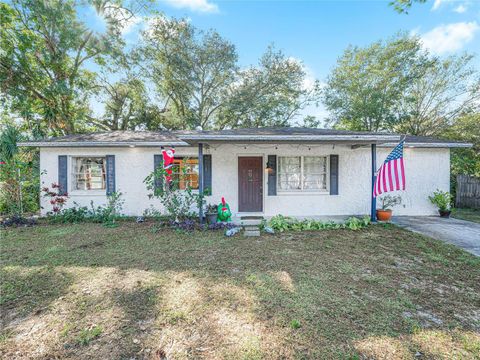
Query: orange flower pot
column 384, row 215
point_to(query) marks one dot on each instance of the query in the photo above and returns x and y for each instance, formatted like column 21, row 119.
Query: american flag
column 391, row 175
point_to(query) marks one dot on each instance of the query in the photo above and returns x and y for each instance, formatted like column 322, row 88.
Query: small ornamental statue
column 223, row 210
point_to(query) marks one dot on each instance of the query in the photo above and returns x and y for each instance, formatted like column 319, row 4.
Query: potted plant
column 387, row 202
column 442, row 200
column 211, row 213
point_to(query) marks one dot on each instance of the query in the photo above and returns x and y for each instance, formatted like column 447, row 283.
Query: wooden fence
column 468, row 192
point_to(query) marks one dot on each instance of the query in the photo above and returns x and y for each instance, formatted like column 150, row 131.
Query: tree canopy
column 398, row 86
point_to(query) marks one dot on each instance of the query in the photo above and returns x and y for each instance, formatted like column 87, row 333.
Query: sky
column 317, row 31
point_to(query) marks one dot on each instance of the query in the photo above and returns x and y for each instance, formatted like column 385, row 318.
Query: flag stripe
column 390, row 177
column 403, row 173
column 397, row 180
column 384, row 179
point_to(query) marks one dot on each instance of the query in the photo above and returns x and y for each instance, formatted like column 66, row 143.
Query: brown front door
column 250, row 184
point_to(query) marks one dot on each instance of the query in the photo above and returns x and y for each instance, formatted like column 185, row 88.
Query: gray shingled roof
column 112, row 138
column 275, row 134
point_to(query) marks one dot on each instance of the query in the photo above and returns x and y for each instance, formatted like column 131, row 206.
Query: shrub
column 101, row 214
column 441, row 199
column 56, row 199
column 282, row 223
column 179, row 204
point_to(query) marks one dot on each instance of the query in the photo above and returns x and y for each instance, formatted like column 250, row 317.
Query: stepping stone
column 252, row 232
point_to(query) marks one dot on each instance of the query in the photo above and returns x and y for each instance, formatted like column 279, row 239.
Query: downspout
column 200, row 181
column 373, row 214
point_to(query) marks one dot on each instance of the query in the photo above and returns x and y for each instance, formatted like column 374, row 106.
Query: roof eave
column 430, row 145
column 101, row 143
column 290, row 138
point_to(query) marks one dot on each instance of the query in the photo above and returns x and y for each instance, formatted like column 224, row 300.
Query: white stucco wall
column 426, row 170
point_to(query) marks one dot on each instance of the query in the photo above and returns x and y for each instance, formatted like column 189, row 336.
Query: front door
column 250, row 184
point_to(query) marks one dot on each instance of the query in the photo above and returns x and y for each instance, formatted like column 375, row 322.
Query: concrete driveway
column 464, row 234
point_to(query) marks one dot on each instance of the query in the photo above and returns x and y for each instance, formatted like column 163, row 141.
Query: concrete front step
column 250, row 222
column 251, row 232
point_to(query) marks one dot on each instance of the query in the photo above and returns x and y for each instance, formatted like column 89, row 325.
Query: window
column 302, row 173
column 89, row 173
column 185, row 173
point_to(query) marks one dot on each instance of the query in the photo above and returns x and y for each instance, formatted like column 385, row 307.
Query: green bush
column 441, row 199
column 101, row 214
column 282, row 223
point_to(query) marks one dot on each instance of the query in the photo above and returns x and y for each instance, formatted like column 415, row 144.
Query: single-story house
column 298, row 172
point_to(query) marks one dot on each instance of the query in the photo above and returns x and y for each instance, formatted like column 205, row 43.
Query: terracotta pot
column 444, row 213
column 384, row 215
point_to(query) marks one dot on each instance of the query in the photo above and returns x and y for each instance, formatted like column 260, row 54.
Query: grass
column 467, row 214
column 89, row 292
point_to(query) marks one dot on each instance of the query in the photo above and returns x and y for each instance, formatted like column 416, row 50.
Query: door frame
column 246, row 155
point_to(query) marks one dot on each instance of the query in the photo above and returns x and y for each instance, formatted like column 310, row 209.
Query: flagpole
column 373, row 209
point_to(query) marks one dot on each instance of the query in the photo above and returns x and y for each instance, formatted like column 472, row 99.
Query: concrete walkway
column 464, row 234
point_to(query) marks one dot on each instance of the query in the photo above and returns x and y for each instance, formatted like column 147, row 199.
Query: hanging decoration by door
column 168, row 157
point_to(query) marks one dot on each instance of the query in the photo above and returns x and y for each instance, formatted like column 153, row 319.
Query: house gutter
column 252, row 138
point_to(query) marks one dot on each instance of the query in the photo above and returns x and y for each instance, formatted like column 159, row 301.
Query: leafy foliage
column 19, row 174
column 282, row 223
column 364, row 90
column 271, row 94
column 441, row 199
column 389, row 201
column 178, row 204
column 45, row 47
column 398, row 86
column 106, row 215
column 403, row 6
column 198, row 75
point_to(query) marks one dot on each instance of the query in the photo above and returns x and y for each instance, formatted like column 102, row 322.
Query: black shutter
column 158, row 164
column 333, row 174
column 272, row 174
column 62, row 174
column 207, row 174
column 110, row 174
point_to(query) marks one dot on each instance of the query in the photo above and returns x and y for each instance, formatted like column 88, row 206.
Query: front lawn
column 90, row 292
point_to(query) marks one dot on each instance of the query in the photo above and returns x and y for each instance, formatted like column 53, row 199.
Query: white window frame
column 73, row 176
column 302, row 190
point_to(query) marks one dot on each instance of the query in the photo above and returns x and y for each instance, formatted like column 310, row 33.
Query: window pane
column 289, row 173
column 315, row 182
column 185, row 173
column 314, row 165
column 89, row 173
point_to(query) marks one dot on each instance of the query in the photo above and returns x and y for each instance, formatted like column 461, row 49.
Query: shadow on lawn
column 330, row 294
column 29, row 291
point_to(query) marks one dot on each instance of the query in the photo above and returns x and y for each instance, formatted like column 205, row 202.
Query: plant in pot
column 387, row 202
column 211, row 213
column 442, row 200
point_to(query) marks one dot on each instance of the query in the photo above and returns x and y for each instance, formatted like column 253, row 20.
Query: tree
column 271, row 94
column 465, row 160
column 366, row 87
column 444, row 90
column 44, row 49
column 19, row 173
column 191, row 69
column 403, row 6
